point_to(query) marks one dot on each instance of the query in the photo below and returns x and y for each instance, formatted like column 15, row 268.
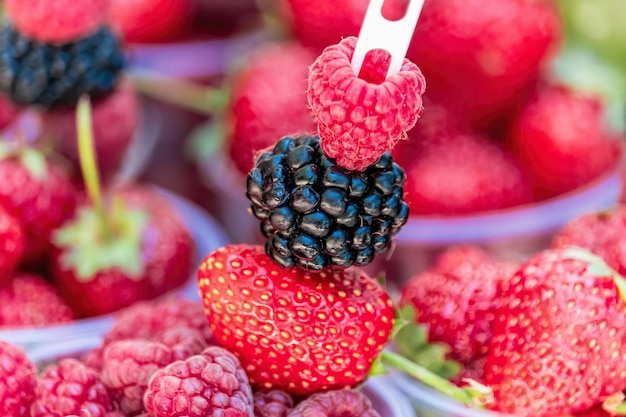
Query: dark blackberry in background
column 38, row 74
column 316, row 214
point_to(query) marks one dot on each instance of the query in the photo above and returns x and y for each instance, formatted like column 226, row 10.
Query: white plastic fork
column 377, row 32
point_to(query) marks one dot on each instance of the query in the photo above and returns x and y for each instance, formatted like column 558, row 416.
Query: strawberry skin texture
column 320, row 331
column 560, row 136
column 166, row 252
column 41, row 205
column 264, row 107
column 557, row 338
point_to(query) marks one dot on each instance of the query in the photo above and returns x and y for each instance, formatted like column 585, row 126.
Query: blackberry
column 315, row 213
column 34, row 73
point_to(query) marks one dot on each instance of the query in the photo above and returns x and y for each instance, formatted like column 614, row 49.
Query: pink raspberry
column 212, row 384
column 274, row 403
column 58, row 21
column 183, row 341
column 18, row 377
column 362, row 117
column 344, row 403
column 12, row 241
column 145, row 320
column 93, row 359
column 128, row 366
column 69, row 387
column 87, row 413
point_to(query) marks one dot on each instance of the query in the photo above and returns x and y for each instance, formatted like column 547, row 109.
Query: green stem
column 425, row 376
column 204, row 100
column 88, row 159
column 620, row 409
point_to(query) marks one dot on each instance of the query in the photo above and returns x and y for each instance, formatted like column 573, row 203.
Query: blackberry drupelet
column 315, row 213
column 34, row 73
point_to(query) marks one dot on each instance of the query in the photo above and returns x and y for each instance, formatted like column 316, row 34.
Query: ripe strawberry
column 319, row 331
column 147, row 253
column 30, row 301
column 557, row 337
column 8, row 112
column 150, row 21
column 57, row 21
column 360, row 117
column 265, row 107
column 11, row 245
column 457, row 299
column 128, row 247
column 18, row 378
column 561, row 138
column 478, row 56
column 601, row 233
column 465, row 174
column 115, row 121
column 39, row 194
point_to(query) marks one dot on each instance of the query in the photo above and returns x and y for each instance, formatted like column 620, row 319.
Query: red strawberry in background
column 151, row 21
column 38, row 193
column 115, row 122
column 11, row 245
column 562, row 138
column 557, row 337
column 30, row 301
column 465, row 174
column 320, row 332
column 457, row 299
column 268, row 101
column 125, row 247
column 8, row 112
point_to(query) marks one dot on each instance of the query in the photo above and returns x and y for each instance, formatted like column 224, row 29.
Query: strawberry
column 457, row 299
column 8, row 112
column 320, row 332
column 127, row 247
column 267, row 101
column 11, row 245
column 480, row 55
column 464, row 174
column 30, row 301
column 562, row 139
column 602, row 233
column 557, row 337
column 151, row 21
column 38, row 193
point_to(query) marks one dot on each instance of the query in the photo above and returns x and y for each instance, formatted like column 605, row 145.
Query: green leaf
column 35, row 163
column 205, row 140
column 377, row 368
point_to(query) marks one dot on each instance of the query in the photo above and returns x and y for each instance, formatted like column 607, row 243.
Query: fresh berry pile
column 141, row 371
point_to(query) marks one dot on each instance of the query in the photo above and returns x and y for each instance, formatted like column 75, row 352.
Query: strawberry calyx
column 104, row 234
column 597, row 266
column 33, row 159
column 615, row 404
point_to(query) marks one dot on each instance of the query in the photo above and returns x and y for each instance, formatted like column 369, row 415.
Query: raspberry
column 361, row 118
column 30, row 301
column 87, row 413
column 272, row 404
column 35, row 73
column 57, row 21
column 128, row 366
column 115, row 119
column 18, row 378
column 212, row 384
column 317, row 214
column 344, row 403
column 11, row 245
column 147, row 319
column 68, row 388
column 8, row 112
column 93, row 359
column 183, row 341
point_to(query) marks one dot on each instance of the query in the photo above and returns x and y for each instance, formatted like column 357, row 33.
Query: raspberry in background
column 69, row 387
column 362, row 117
column 115, row 121
column 211, row 384
column 29, row 300
column 479, row 56
column 151, row 21
column 562, row 138
column 8, row 112
column 18, row 378
column 56, row 21
column 272, row 404
column 466, row 174
column 12, row 241
column 344, row 403
column 267, row 101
